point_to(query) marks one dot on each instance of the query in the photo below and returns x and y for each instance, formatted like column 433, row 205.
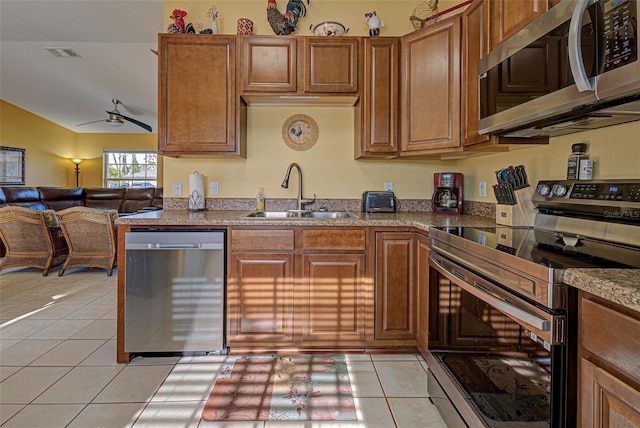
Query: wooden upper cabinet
column 198, row 110
column 430, row 85
column 377, row 134
column 507, row 17
column 331, row 64
column 475, row 45
column 269, row 64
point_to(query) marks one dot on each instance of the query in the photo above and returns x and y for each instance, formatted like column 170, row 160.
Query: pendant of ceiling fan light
column 116, row 122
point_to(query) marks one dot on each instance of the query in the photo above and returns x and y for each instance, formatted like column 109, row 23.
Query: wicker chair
column 32, row 238
column 91, row 237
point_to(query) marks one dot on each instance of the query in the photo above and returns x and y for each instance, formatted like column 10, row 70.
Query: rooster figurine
column 179, row 26
column 285, row 24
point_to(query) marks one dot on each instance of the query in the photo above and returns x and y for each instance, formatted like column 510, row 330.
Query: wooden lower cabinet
column 332, row 305
column 605, row 400
column 609, row 371
column 302, row 287
column 260, row 298
column 422, row 293
column 395, row 308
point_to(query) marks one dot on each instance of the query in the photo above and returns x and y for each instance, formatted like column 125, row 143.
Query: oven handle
column 484, row 294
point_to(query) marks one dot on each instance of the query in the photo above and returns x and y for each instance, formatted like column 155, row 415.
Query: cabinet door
column 269, row 64
column 331, row 64
column 605, row 400
column 395, row 313
column 260, row 298
column 431, row 88
column 332, row 306
column 507, row 17
column 197, row 111
column 422, row 291
column 379, row 105
column 475, row 45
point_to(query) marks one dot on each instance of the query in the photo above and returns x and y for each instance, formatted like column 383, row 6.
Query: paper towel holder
column 196, row 192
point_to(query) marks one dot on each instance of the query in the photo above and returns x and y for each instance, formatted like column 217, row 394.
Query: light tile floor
column 58, row 367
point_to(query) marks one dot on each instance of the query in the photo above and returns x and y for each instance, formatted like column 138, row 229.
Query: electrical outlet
column 214, row 188
column 483, row 189
column 388, row 185
column 177, row 188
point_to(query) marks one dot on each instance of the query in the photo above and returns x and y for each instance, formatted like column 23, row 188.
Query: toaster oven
column 378, row 202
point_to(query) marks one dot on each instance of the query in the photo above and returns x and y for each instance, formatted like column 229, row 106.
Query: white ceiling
column 114, row 39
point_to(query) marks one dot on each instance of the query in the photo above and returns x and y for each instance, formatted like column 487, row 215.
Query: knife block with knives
column 521, row 214
column 514, row 195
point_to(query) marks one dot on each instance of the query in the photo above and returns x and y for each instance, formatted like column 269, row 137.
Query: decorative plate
column 300, row 132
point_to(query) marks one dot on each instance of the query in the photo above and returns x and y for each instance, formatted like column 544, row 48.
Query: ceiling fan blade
column 137, row 122
column 93, row 121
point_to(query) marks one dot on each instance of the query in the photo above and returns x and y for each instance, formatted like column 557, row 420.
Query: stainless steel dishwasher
column 175, row 291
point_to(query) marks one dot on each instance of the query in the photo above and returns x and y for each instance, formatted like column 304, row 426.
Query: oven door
column 499, row 360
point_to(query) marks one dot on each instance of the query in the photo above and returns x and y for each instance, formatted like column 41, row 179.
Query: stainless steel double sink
column 291, row 214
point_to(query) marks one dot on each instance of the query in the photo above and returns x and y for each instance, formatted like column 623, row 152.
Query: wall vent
column 63, row 52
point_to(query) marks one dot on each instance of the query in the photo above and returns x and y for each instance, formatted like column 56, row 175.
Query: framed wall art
column 12, row 167
column 300, row 132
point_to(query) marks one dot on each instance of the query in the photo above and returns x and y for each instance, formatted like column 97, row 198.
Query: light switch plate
column 214, row 187
column 388, row 186
column 482, row 191
column 177, row 188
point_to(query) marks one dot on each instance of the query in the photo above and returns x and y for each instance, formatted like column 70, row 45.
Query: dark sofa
column 123, row 200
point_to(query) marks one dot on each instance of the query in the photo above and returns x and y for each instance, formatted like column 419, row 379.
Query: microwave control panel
column 620, row 32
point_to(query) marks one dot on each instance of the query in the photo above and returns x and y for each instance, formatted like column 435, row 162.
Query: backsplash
column 483, row 209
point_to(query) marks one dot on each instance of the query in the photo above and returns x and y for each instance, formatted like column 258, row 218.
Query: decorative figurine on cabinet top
column 285, row 24
column 178, row 25
column 213, row 14
column 374, row 23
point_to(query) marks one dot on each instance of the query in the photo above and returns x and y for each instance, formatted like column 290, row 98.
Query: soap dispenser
column 260, row 199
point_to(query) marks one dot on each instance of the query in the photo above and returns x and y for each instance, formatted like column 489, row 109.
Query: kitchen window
column 131, row 168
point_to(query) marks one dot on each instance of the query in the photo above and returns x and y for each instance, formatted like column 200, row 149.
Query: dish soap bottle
column 260, row 199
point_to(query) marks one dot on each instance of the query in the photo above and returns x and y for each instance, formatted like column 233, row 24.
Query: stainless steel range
column 502, row 325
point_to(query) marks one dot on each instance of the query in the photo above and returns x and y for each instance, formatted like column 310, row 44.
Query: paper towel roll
column 196, row 191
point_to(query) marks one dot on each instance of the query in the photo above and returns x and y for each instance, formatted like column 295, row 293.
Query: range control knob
column 560, row 190
column 543, row 189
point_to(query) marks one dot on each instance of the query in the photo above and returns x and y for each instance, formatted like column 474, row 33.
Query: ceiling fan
column 115, row 118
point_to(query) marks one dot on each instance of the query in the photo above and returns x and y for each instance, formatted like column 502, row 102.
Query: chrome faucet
column 285, row 185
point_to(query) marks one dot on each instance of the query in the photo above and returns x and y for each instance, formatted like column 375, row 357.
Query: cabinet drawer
column 599, row 324
column 267, row 239
column 335, row 239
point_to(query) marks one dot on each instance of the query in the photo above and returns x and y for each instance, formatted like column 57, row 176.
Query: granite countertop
column 620, row 286
column 418, row 219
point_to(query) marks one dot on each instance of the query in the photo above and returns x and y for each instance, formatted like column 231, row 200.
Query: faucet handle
column 308, row 201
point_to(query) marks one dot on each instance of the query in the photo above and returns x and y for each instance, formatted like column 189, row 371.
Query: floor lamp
column 77, row 163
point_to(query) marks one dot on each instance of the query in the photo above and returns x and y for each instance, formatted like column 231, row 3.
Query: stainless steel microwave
column 574, row 68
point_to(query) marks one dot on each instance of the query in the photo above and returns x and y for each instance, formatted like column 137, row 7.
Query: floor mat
column 282, row 387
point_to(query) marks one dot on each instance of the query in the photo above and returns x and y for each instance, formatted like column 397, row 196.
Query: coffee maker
column 447, row 195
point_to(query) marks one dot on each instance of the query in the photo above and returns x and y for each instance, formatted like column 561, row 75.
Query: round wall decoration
column 300, row 132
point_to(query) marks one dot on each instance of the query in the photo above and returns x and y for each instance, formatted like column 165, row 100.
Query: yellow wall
column 350, row 13
column 49, row 148
column 615, row 151
column 329, row 169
